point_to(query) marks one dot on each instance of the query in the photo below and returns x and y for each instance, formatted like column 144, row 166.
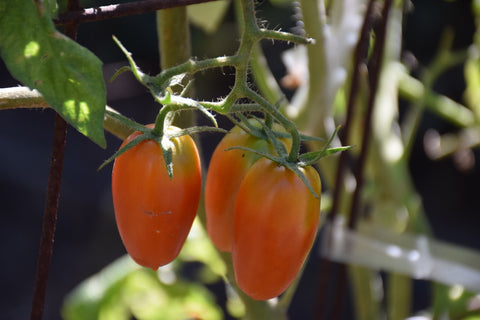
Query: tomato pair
column 262, row 212
column 154, row 212
column 259, row 210
column 225, row 173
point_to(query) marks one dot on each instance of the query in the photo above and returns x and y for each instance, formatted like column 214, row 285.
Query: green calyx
column 162, row 133
column 261, row 129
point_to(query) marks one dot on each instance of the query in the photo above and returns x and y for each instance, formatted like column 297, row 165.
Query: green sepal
column 277, row 145
column 248, row 127
column 296, row 169
column 281, row 161
column 310, row 158
column 124, row 149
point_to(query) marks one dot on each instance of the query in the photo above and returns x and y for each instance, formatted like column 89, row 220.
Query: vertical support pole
column 52, row 198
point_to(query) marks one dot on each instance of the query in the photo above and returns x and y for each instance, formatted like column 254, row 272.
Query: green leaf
column 208, row 15
column 101, row 291
column 302, row 177
column 68, row 75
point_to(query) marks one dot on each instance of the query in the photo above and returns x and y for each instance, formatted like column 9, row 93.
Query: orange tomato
column 154, row 213
column 276, row 220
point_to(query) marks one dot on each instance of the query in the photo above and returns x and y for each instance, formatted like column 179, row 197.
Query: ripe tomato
column 225, row 173
column 154, row 212
column 276, row 220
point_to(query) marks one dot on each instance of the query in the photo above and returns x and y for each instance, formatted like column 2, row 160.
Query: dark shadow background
column 87, row 239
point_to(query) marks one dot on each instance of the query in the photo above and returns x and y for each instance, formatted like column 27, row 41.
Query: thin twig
column 120, row 10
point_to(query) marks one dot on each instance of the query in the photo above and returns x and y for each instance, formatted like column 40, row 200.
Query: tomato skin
column 154, row 213
column 225, row 173
column 276, row 220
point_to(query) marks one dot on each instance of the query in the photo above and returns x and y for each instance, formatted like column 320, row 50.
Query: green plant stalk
column 365, row 298
column 174, row 37
column 264, row 79
column 314, row 18
column 413, row 90
column 251, row 34
column 399, row 288
column 443, row 60
column 173, row 31
column 399, row 293
column 192, row 66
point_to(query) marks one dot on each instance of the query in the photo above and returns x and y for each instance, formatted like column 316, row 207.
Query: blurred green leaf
column 124, row 289
column 150, row 299
column 68, row 75
column 456, row 302
column 208, row 15
column 97, row 296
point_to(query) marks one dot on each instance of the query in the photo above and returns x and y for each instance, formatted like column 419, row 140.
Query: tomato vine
column 160, row 87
